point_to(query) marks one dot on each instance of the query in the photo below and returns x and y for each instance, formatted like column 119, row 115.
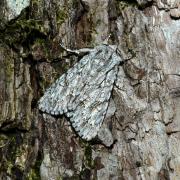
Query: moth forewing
column 83, row 93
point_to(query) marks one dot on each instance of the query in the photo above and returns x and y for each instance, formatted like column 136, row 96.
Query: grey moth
column 83, row 92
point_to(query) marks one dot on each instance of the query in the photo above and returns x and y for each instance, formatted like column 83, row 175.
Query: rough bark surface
column 141, row 140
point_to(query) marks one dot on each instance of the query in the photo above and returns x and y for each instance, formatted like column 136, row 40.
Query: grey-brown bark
column 143, row 132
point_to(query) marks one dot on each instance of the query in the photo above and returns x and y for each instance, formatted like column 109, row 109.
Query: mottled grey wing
column 83, row 92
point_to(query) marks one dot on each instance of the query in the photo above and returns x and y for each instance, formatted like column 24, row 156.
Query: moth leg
column 79, row 52
column 174, row 74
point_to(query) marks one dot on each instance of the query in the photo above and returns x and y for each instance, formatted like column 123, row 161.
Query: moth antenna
column 174, row 74
column 79, row 52
column 69, row 50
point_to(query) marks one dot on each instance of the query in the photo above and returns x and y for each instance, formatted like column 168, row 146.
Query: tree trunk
column 143, row 135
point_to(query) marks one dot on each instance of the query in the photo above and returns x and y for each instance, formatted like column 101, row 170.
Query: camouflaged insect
column 83, row 92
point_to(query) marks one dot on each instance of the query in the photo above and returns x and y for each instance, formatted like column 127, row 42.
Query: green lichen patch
column 62, row 11
column 9, row 152
column 88, row 161
column 9, row 69
column 61, row 15
column 34, row 173
column 122, row 4
column 40, row 49
column 3, row 141
column 15, row 155
column 88, row 155
column 85, row 174
column 24, row 32
column 36, row 5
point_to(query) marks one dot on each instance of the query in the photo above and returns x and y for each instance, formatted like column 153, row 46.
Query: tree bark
column 143, row 135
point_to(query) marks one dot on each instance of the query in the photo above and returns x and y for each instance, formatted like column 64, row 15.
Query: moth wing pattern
column 83, row 92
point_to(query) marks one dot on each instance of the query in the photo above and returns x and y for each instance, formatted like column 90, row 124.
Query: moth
column 83, row 92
